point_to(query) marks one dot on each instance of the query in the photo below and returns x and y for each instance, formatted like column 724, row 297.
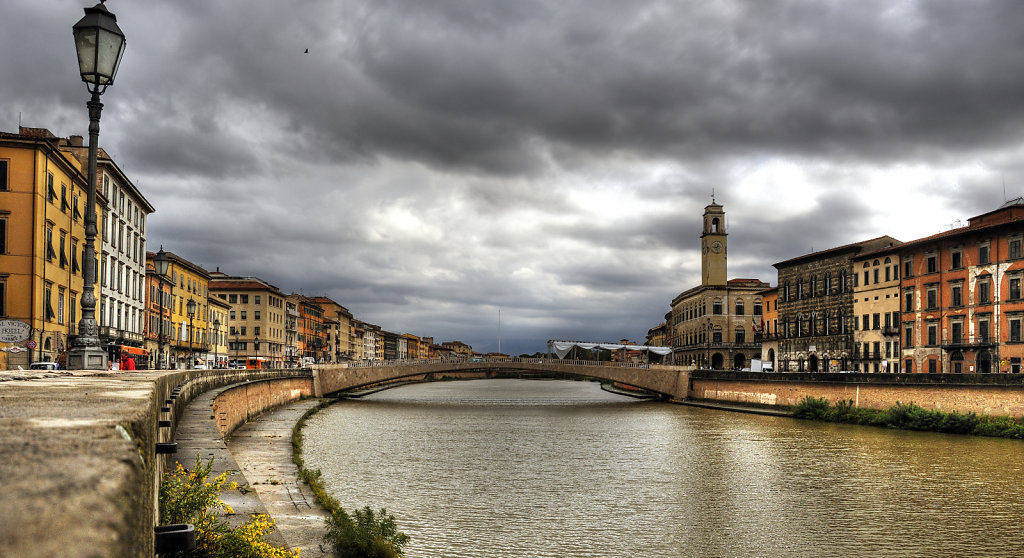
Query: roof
column 854, row 247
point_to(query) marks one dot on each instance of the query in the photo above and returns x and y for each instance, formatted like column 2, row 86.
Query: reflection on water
column 520, row 468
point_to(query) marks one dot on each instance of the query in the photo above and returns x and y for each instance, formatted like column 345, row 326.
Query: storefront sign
column 13, row 331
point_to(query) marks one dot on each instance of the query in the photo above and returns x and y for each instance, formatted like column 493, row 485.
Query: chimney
column 75, row 141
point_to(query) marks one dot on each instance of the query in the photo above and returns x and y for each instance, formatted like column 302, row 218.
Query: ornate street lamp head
column 100, row 45
column 161, row 262
column 190, row 307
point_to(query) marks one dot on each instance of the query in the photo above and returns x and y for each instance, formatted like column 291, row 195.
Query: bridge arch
column 669, row 381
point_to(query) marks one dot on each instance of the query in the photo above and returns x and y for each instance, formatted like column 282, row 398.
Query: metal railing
column 514, row 360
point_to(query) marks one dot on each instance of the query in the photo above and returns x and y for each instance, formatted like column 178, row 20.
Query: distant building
column 339, row 339
column 713, row 324
column 963, row 303
column 256, row 321
column 459, row 349
column 186, row 338
column 816, row 317
column 876, row 311
column 768, row 329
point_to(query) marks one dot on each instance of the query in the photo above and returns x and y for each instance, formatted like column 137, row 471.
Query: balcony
column 890, row 331
column 965, row 343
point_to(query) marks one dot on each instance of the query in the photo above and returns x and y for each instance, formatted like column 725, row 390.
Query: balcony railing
column 963, row 342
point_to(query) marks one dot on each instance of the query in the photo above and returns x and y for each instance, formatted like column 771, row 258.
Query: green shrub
column 365, row 535
column 811, row 408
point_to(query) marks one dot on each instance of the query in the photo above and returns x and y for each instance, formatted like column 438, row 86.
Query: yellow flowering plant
column 188, row 496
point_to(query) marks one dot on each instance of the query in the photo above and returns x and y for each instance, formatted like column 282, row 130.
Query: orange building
column 962, row 305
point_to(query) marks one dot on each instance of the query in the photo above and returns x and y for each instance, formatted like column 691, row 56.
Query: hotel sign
column 13, row 331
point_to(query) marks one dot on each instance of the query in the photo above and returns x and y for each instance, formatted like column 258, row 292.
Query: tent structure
column 562, row 348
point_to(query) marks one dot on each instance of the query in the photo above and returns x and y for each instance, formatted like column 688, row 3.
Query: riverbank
column 263, row 450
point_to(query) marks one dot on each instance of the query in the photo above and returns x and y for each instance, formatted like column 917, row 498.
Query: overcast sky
column 428, row 163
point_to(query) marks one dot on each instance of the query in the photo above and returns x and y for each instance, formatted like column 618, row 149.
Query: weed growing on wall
column 189, row 496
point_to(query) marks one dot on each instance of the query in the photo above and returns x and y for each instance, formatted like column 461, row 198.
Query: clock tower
column 713, row 248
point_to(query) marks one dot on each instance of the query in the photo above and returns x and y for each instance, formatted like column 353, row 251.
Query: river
column 527, row 468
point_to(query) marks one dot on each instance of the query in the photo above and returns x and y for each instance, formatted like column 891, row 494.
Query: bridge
column 668, row 381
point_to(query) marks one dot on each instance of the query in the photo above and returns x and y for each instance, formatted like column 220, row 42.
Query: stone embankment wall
column 79, row 471
column 989, row 394
column 237, row 404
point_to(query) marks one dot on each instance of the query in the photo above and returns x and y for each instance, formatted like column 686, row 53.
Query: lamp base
column 87, row 358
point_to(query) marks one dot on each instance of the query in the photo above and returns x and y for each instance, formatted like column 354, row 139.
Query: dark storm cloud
column 428, row 162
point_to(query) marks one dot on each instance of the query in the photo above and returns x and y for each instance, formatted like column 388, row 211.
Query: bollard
column 167, row 447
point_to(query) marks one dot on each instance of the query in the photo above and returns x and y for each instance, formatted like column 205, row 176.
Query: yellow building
column 188, row 334
column 42, row 237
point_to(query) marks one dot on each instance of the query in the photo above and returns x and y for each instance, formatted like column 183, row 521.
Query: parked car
column 43, row 366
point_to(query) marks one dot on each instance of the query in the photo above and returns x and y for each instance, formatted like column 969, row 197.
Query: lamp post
column 100, row 44
column 256, row 347
column 190, row 307
column 236, row 348
column 216, row 338
column 161, row 263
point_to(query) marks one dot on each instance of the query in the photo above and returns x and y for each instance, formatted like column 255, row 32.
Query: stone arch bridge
column 668, row 381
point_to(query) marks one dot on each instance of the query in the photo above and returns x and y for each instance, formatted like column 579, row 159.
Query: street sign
column 31, row 344
column 13, row 331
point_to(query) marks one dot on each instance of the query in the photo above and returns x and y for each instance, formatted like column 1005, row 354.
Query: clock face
column 716, row 246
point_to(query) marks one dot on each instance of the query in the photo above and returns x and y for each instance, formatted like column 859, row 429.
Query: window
column 956, row 260
column 243, row 330
column 256, row 330
column 908, row 267
column 931, row 263
column 60, row 305
column 47, row 296
column 956, row 332
column 933, row 298
column 243, row 315
column 244, row 299
column 76, row 214
column 739, row 308
column 866, row 278
column 256, row 314
column 956, row 295
column 3, row 296
column 51, row 195
column 3, row 181
column 983, row 291
column 232, row 299
column 716, row 337
column 741, row 336
column 908, row 336
column 257, row 299
column 932, row 366
column 876, row 275
column 64, row 205
column 757, row 307
column 50, row 253
column 888, row 273
column 232, row 314
column 1014, row 249
column 63, row 250
column 983, row 330
column 74, row 309
column 876, row 321
column 983, row 254
column 716, row 307
column 75, row 268
column 933, row 335
column 1015, row 336
column 3, row 234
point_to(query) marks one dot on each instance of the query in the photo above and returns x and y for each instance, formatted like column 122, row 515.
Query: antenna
column 712, row 195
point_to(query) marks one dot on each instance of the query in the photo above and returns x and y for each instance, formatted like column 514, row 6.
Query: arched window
column 714, row 225
column 740, row 307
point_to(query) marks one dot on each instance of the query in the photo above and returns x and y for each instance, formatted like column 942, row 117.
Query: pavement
column 258, row 457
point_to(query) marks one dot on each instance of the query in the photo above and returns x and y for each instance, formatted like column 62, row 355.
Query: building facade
column 769, row 328
column 714, row 325
column 816, row 318
column 121, row 276
column 876, row 311
column 963, row 309
column 256, row 319
column 42, row 242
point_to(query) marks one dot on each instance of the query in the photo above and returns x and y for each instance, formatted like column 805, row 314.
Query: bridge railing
column 529, row 360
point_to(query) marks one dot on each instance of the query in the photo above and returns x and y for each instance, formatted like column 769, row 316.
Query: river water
column 526, row 468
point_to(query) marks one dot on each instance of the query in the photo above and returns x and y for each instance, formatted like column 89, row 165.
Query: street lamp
column 100, row 44
column 161, row 263
column 216, row 339
column 256, row 347
column 190, row 307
